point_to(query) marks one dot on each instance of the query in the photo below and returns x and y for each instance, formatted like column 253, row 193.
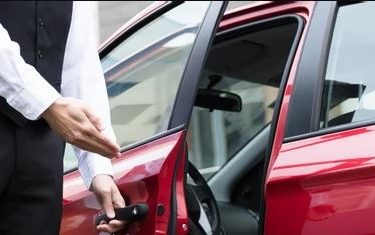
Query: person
column 52, row 91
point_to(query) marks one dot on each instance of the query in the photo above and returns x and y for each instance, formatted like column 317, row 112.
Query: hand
column 79, row 126
column 109, row 198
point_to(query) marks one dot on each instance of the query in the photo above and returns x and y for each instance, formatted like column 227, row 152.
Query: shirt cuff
column 39, row 93
column 91, row 165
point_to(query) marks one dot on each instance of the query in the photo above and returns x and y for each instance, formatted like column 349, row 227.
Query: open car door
column 152, row 69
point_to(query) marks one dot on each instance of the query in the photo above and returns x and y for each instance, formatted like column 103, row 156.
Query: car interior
column 229, row 129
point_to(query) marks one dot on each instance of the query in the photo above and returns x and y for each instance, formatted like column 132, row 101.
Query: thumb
column 118, row 200
column 107, row 205
column 94, row 119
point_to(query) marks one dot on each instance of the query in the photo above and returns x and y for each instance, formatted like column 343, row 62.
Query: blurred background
column 111, row 15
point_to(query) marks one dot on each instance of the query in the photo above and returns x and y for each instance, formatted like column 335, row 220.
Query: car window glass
column 144, row 71
column 249, row 65
column 216, row 136
column 349, row 87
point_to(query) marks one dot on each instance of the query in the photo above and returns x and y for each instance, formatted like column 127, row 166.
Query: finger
column 118, row 200
column 90, row 143
column 104, row 228
column 105, row 141
column 93, row 146
column 94, row 119
column 106, row 202
column 103, row 222
column 104, row 149
column 117, row 223
column 101, row 138
column 111, row 228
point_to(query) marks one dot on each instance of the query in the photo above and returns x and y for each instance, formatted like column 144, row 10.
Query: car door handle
column 129, row 213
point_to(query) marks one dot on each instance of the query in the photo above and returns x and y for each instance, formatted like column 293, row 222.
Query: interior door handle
column 129, row 213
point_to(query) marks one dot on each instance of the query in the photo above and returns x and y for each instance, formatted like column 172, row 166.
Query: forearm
column 83, row 79
column 20, row 84
column 91, row 164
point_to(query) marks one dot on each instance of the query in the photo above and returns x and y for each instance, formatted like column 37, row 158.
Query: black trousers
column 31, row 171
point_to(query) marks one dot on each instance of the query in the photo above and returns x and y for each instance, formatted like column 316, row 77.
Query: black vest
column 41, row 29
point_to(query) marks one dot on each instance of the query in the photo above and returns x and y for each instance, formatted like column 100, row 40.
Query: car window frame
column 306, row 101
column 186, row 86
column 258, row 25
column 186, row 93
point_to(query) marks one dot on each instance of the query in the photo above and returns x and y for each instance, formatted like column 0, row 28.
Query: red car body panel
column 320, row 185
column 324, row 184
column 143, row 174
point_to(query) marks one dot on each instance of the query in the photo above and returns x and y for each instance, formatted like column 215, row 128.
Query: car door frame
column 185, row 96
column 305, row 103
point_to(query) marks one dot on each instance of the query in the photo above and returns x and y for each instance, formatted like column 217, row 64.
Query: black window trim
column 187, row 90
column 256, row 26
column 304, row 108
column 330, row 10
column 330, row 130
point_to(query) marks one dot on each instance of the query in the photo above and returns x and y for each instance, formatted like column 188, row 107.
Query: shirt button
column 41, row 23
column 40, row 54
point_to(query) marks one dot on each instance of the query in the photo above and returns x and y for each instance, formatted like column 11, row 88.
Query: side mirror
column 218, row 100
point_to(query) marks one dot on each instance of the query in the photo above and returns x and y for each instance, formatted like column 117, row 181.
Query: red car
column 259, row 120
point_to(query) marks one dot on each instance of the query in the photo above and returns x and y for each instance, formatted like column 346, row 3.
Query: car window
column 349, row 87
column 216, row 136
column 249, row 65
column 143, row 74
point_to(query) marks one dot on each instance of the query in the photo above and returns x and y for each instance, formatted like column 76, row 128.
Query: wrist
column 48, row 113
column 98, row 179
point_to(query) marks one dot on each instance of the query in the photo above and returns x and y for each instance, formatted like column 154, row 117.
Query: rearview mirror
column 218, row 100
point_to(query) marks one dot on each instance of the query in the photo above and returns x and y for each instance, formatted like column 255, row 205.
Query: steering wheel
column 200, row 199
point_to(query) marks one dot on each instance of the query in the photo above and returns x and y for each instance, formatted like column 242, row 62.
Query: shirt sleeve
column 83, row 78
column 20, row 84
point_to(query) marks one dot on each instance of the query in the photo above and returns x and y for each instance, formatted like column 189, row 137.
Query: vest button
column 40, row 54
column 41, row 23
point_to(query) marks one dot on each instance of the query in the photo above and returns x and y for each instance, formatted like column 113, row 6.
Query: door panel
column 323, row 178
column 324, row 184
column 143, row 175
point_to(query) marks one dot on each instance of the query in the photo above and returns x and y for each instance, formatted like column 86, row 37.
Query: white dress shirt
column 82, row 77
